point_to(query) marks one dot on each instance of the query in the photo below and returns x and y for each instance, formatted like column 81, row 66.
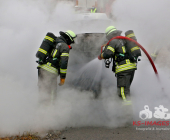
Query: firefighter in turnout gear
column 53, row 57
column 124, row 54
column 93, row 9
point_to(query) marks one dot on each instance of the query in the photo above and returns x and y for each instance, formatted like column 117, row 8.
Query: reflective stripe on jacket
column 124, row 67
column 93, row 10
column 115, row 48
column 49, row 68
column 58, row 58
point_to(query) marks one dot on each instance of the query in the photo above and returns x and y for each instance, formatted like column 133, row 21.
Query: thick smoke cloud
column 151, row 26
column 22, row 28
column 24, row 24
column 147, row 18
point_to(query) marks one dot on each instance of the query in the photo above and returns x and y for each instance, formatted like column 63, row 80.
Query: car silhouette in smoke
column 90, row 28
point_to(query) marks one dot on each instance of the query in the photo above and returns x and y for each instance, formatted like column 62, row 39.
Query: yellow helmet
column 110, row 29
column 69, row 36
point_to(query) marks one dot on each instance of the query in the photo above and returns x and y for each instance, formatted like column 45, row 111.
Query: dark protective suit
column 56, row 64
column 125, row 68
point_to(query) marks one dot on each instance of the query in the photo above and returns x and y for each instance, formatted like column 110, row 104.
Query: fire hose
column 146, row 53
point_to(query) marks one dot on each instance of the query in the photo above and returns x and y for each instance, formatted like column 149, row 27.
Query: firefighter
column 125, row 55
column 54, row 64
column 93, row 9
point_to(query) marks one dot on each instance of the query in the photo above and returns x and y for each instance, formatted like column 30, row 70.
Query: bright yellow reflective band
column 110, row 48
column 49, row 68
column 64, row 54
column 123, row 48
column 134, row 48
column 42, row 50
column 49, row 38
column 125, row 102
column 130, row 35
column 93, row 11
column 123, row 93
column 49, row 64
column 63, row 70
column 54, row 53
column 125, row 67
column 127, row 61
column 154, row 55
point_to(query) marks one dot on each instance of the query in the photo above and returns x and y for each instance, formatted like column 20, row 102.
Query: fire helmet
column 110, row 29
column 69, row 36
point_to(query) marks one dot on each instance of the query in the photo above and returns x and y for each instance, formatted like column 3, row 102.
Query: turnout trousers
column 47, row 84
column 124, row 80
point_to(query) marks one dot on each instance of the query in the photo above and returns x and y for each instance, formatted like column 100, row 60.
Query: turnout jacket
column 117, row 47
column 57, row 61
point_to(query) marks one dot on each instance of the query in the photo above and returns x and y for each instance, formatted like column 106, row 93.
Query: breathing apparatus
column 49, row 43
column 46, row 47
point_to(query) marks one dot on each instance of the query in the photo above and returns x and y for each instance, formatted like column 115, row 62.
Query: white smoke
column 23, row 26
column 149, row 22
column 151, row 26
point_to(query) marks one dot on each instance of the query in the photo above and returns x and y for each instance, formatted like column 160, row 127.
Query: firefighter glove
column 62, row 81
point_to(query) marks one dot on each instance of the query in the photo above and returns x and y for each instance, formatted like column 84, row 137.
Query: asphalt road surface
column 122, row 133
